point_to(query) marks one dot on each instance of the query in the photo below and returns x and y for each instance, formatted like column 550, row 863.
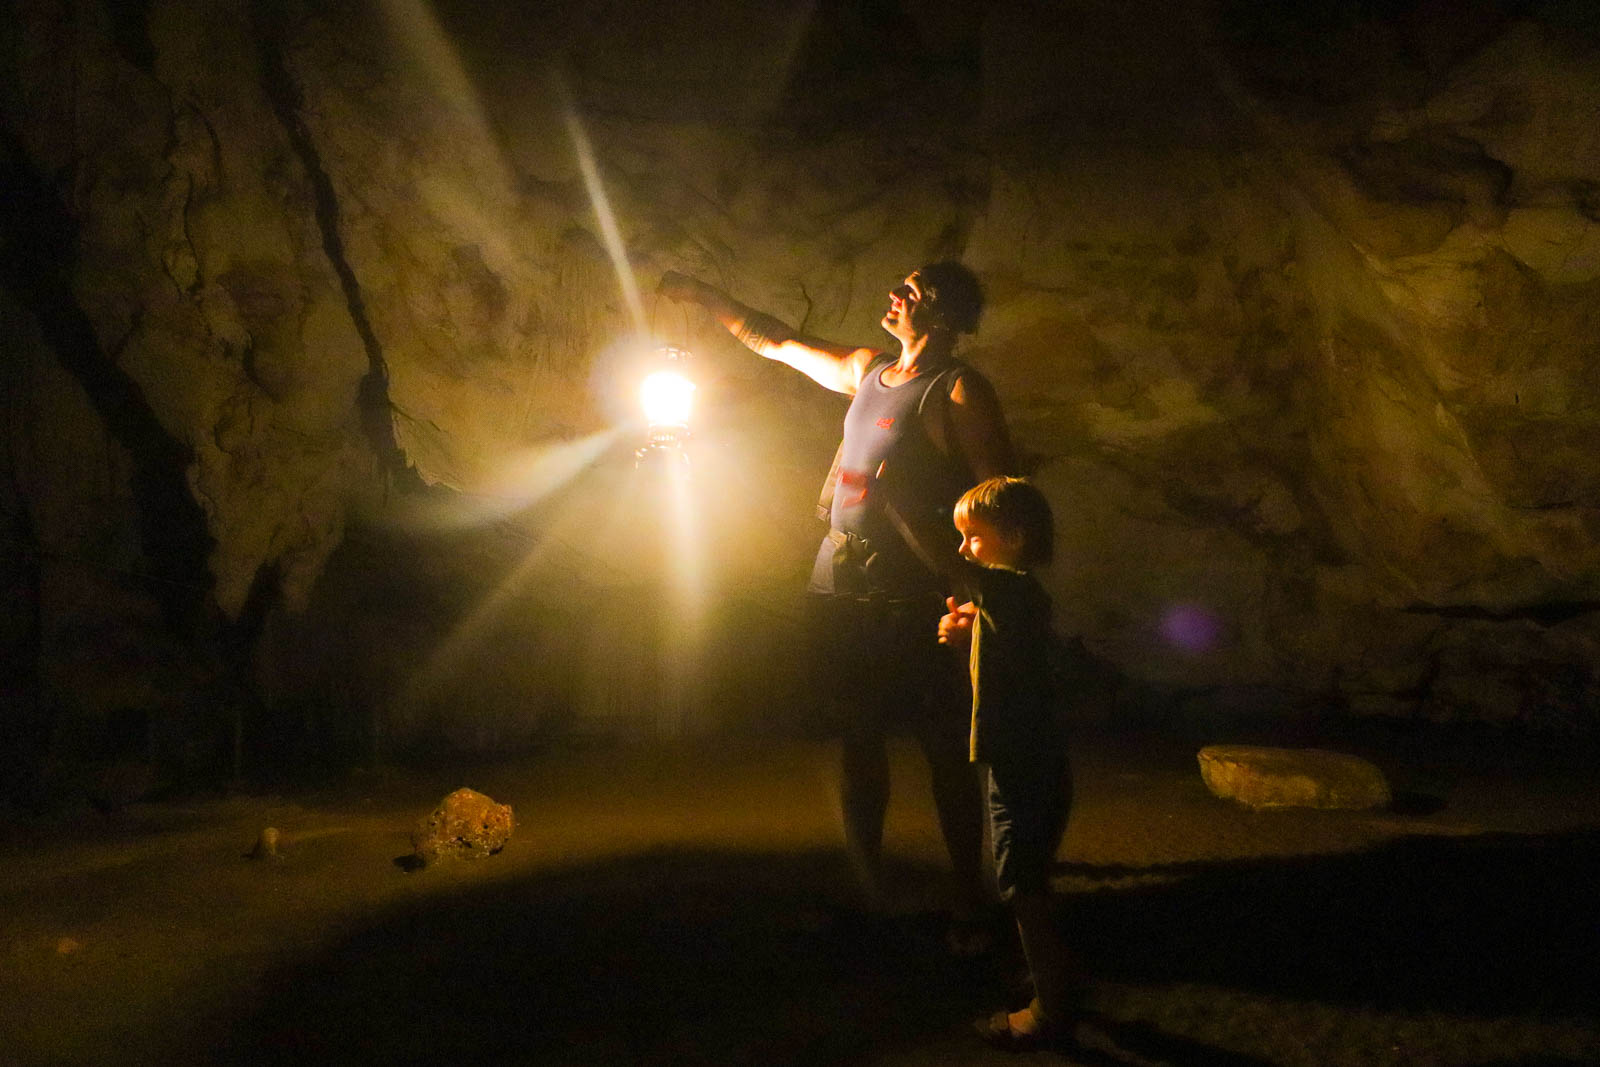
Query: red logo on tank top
column 884, row 424
column 858, row 482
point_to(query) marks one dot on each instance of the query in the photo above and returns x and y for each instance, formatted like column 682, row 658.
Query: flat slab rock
column 1261, row 777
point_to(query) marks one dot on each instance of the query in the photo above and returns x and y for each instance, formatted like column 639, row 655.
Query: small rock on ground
column 465, row 825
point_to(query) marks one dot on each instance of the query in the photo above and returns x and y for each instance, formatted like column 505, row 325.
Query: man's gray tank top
column 887, row 454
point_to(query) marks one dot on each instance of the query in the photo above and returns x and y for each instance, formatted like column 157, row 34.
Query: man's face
column 907, row 317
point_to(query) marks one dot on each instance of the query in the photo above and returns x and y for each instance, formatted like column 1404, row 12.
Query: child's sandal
column 996, row 1031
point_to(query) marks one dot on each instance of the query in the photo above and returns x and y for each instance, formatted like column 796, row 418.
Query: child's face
column 983, row 544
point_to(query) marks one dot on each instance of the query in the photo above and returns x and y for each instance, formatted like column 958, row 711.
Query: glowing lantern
column 667, row 396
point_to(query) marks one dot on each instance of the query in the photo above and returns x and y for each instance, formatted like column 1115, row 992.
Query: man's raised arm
column 832, row 366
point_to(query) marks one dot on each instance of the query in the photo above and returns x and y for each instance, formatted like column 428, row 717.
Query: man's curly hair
column 952, row 293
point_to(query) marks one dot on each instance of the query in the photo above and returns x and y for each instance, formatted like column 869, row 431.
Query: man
column 922, row 427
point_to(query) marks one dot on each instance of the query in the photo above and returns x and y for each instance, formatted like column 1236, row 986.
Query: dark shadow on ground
column 715, row 958
column 1491, row 924
column 664, row 958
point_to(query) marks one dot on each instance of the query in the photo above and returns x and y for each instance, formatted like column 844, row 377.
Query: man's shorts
column 877, row 665
column 1028, row 806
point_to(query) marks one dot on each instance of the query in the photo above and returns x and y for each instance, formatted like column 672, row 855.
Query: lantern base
column 664, row 446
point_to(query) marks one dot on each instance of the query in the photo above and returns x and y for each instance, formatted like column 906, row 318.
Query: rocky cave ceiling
column 1292, row 307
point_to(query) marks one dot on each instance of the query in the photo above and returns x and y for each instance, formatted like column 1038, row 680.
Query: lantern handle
column 655, row 334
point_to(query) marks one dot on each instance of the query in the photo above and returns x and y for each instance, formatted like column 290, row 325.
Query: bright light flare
column 667, row 397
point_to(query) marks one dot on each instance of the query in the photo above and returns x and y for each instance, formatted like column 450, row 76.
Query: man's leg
column 840, row 636
column 957, row 791
column 864, row 801
column 959, row 802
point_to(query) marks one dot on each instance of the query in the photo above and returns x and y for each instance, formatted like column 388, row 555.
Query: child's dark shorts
column 1029, row 801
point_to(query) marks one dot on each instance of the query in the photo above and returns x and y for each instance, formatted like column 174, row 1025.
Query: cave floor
column 679, row 904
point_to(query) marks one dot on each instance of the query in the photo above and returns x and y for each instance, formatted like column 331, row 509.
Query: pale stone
column 466, row 824
column 1261, row 777
column 266, row 844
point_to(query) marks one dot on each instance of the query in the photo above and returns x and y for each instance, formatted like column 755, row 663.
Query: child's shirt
column 1013, row 693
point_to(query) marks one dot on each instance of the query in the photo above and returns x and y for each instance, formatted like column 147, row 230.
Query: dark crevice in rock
column 1360, row 45
column 1551, row 613
column 238, row 643
column 868, row 62
column 269, row 22
column 37, row 263
column 1422, row 690
column 1586, row 195
column 24, row 722
column 130, row 30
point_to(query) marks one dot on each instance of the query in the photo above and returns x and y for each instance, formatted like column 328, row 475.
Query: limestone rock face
column 1260, row 777
column 1294, row 310
column 465, row 825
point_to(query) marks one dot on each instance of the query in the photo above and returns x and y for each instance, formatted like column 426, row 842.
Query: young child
column 1006, row 529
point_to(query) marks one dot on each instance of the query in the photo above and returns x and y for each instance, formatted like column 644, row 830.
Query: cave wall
column 310, row 315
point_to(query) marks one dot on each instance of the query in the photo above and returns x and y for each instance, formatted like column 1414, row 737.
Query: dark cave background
column 315, row 447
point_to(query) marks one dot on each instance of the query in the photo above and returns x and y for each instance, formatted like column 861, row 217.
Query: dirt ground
column 681, row 904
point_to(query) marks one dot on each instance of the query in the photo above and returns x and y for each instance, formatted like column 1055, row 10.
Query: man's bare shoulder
column 968, row 381
column 854, row 365
column 977, row 426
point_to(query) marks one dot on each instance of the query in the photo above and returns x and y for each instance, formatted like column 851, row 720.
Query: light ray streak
column 532, row 474
column 683, row 583
column 446, row 660
column 523, row 480
column 611, row 235
column 543, row 474
column 688, row 566
column 415, row 25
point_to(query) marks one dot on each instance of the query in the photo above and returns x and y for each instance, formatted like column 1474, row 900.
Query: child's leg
column 1054, row 978
column 1028, row 808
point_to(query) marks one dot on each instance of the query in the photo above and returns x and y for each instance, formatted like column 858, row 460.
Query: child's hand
column 955, row 628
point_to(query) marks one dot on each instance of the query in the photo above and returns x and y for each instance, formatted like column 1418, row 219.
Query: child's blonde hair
column 1015, row 508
